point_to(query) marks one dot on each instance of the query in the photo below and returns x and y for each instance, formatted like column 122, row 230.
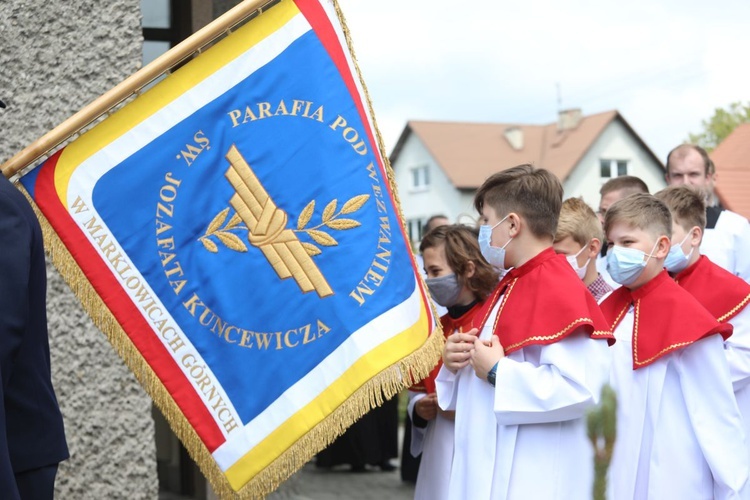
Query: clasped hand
column 462, row 349
column 485, row 355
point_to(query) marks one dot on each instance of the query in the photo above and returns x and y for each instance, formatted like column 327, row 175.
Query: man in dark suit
column 32, row 438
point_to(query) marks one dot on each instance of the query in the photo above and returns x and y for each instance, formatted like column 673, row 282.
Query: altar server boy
column 579, row 237
column 725, row 295
column 679, row 431
column 521, row 389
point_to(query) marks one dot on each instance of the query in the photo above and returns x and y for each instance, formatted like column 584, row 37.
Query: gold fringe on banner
column 381, row 146
column 373, row 393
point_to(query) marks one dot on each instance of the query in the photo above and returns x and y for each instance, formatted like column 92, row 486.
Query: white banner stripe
column 132, row 276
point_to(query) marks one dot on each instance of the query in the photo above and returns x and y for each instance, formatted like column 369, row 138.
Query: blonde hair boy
column 579, row 237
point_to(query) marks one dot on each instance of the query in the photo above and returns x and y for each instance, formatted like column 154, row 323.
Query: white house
column 439, row 165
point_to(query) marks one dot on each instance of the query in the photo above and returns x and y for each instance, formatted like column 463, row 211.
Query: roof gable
column 468, row 153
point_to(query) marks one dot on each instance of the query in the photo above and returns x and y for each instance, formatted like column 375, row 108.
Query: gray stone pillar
column 55, row 57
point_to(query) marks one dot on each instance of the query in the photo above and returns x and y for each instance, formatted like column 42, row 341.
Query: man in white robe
column 525, row 438
column 723, row 294
column 726, row 240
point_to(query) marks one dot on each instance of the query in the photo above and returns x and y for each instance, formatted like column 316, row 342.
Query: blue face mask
column 676, row 260
column 494, row 255
column 625, row 265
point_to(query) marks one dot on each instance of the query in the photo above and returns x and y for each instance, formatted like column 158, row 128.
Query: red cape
column 721, row 292
column 463, row 323
column 543, row 301
column 667, row 318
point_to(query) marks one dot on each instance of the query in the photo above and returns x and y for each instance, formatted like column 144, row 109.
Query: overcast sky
column 664, row 64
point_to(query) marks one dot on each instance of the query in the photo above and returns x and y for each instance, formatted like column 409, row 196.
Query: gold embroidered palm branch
column 266, row 223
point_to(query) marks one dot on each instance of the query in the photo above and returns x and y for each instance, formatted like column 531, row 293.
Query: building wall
column 468, row 214
column 58, row 55
column 615, row 143
column 440, row 197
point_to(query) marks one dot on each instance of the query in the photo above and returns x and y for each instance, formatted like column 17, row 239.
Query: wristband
column 491, row 375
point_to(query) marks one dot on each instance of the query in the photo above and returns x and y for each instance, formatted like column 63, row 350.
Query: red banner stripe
column 127, row 314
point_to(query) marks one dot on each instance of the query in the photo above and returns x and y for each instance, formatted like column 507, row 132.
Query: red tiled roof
column 471, row 152
column 732, row 160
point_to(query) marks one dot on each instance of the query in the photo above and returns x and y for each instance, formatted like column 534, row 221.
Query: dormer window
column 612, row 168
column 420, row 178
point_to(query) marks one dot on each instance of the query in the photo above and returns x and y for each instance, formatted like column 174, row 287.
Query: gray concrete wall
column 55, row 57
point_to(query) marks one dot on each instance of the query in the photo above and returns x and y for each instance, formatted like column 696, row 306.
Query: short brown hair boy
column 534, row 193
column 642, row 211
column 628, row 184
column 686, row 204
column 579, row 222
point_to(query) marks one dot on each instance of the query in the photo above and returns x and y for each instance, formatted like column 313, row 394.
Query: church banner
column 235, row 231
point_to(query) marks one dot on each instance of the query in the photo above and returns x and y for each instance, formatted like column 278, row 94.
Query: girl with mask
column 458, row 278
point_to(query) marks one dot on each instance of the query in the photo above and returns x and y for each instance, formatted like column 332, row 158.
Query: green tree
column 720, row 125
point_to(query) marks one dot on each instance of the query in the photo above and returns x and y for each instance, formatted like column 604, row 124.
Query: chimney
column 514, row 136
column 568, row 119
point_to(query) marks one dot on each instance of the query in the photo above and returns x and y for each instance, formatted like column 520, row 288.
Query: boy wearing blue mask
column 579, row 237
column 679, row 431
column 459, row 279
column 521, row 389
column 725, row 295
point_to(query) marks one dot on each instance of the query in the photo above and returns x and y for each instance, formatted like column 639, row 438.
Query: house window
column 420, row 177
column 415, row 227
column 612, row 168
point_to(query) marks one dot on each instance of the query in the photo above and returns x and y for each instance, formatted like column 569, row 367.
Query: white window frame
column 419, row 178
column 613, row 168
column 415, row 227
